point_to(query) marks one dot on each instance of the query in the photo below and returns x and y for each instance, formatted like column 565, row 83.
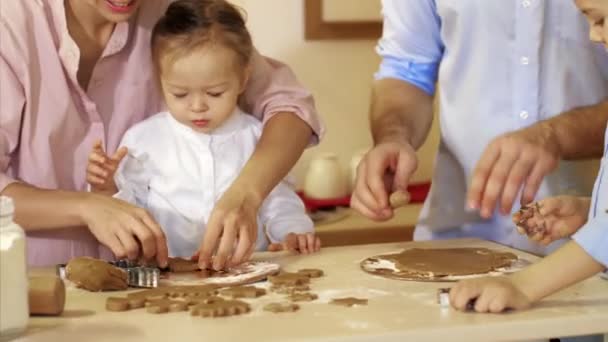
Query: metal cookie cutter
column 443, row 299
column 137, row 276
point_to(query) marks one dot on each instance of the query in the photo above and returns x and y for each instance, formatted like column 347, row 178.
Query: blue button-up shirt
column 500, row 65
column 593, row 236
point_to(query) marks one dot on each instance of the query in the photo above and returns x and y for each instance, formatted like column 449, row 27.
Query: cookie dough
column 399, row 199
column 179, row 265
column 220, row 309
column 348, row 301
column 166, row 305
column 287, row 290
column 117, row 304
column 302, row 297
column 435, row 263
column 243, row 292
column 95, row 275
column 311, row 272
column 289, row 279
column 281, row 307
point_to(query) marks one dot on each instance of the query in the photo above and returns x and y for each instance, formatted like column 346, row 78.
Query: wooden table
column 397, row 311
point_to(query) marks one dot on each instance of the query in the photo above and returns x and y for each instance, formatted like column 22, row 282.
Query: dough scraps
column 243, row 292
column 311, row 272
column 437, row 263
column 289, row 279
column 281, row 307
column 348, row 301
column 247, row 273
column 302, row 297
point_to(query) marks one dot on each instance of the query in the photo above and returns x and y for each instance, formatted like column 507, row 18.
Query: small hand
column 303, row 243
column 101, row 168
column 387, row 167
column 556, row 218
column 232, row 230
column 512, row 161
column 490, row 294
column 126, row 229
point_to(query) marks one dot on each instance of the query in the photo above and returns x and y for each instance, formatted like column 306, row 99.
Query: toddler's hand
column 552, row 218
column 101, row 169
column 303, row 243
column 489, row 294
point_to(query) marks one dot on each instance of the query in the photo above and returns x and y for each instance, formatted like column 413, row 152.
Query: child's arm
column 574, row 262
column 287, row 225
column 101, row 169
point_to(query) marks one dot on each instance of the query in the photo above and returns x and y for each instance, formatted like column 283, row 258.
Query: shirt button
column 524, row 114
column 526, row 3
column 524, row 60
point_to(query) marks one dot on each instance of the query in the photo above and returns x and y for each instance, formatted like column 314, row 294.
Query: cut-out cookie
column 154, row 294
column 136, row 303
column 117, row 304
column 287, row 290
column 311, row 272
column 289, row 279
column 166, row 305
column 348, row 301
column 243, row 292
column 303, row 297
column 281, row 307
column 220, row 308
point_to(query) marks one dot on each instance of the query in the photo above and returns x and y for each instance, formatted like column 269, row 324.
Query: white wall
column 339, row 73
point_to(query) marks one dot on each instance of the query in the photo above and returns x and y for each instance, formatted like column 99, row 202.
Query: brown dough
column 281, row 307
column 220, row 308
column 440, row 262
column 311, row 272
column 399, row 199
column 287, row 290
column 166, row 305
column 303, row 297
column 178, row 265
column 95, row 275
column 243, row 292
column 289, row 279
column 117, row 304
column 136, row 303
column 349, row 301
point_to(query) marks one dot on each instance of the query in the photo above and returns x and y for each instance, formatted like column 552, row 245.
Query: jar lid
column 7, row 207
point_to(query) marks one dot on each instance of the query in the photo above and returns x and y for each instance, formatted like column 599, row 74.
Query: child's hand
column 489, row 294
column 552, row 218
column 101, row 169
column 303, row 243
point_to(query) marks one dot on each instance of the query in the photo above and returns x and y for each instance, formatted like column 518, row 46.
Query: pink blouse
column 48, row 123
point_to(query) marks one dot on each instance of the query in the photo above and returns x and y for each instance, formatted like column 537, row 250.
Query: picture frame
column 318, row 27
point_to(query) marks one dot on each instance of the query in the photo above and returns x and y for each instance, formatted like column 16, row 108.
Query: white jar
column 13, row 278
column 325, row 178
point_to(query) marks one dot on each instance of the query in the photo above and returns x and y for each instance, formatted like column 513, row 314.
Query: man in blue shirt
column 522, row 97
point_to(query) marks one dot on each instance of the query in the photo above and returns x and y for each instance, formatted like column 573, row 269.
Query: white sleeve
column 133, row 175
column 283, row 212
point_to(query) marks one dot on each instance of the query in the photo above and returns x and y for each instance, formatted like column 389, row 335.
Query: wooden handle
column 46, row 295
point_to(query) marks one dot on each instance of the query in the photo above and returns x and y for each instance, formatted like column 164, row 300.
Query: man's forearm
column 284, row 138
column 400, row 112
column 37, row 209
column 580, row 132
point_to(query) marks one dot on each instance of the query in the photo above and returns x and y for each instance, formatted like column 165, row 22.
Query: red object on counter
column 418, row 193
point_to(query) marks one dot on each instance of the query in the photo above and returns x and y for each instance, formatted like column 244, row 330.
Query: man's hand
column 387, row 167
column 512, row 161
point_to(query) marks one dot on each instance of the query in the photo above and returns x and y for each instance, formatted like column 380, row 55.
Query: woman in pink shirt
column 76, row 71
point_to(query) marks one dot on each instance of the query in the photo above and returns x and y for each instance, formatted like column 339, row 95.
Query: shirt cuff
column 593, row 238
column 305, row 112
column 422, row 75
column 278, row 231
column 6, row 181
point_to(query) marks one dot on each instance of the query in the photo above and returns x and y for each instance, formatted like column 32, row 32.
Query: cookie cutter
column 137, row 276
column 443, row 299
